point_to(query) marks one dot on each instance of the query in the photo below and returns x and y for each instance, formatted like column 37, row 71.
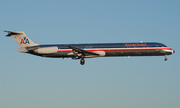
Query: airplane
column 82, row 51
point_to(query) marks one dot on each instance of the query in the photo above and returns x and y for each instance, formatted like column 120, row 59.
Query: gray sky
column 28, row 81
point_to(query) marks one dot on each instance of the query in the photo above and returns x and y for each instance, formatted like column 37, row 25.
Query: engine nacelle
column 46, row 50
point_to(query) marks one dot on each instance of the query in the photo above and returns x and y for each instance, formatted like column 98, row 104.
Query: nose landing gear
column 165, row 58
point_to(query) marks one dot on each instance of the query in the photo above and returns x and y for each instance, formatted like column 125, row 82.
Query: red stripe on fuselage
column 121, row 49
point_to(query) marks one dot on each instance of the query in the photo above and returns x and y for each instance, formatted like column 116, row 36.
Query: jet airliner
column 82, row 51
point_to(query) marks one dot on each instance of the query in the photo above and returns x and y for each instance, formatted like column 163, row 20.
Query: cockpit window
column 163, row 45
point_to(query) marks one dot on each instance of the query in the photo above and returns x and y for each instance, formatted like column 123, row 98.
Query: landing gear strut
column 82, row 61
column 165, row 58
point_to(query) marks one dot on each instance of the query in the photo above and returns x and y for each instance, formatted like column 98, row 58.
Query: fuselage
column 109, row 49
column 81, row 51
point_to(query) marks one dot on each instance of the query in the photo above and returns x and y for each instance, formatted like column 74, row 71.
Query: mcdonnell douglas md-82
column 81, row 51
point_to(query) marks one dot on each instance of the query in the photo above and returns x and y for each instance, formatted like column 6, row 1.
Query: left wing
column 80, row 52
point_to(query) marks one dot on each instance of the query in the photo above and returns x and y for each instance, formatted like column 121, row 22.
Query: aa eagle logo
column 24, row 41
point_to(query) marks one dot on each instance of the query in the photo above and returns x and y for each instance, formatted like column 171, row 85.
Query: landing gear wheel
column 165, row 58
column 82, row 61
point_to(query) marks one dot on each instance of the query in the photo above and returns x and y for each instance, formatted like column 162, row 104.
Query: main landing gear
column 82, row 62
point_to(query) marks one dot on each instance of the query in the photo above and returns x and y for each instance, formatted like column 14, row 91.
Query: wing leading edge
column 80, row 53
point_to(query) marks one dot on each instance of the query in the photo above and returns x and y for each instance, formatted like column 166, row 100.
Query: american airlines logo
column 135, row 45
column 24, row 41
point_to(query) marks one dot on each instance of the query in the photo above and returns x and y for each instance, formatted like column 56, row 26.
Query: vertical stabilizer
column 21, row 38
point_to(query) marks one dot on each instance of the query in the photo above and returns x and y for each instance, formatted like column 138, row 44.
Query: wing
column 77, row 51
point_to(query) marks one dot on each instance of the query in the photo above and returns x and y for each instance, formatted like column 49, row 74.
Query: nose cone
column 173, row 51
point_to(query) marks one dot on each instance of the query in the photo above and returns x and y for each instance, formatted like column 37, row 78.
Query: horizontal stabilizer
column 11, row 33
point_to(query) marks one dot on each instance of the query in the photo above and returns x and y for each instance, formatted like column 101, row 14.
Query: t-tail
column 21, row 38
